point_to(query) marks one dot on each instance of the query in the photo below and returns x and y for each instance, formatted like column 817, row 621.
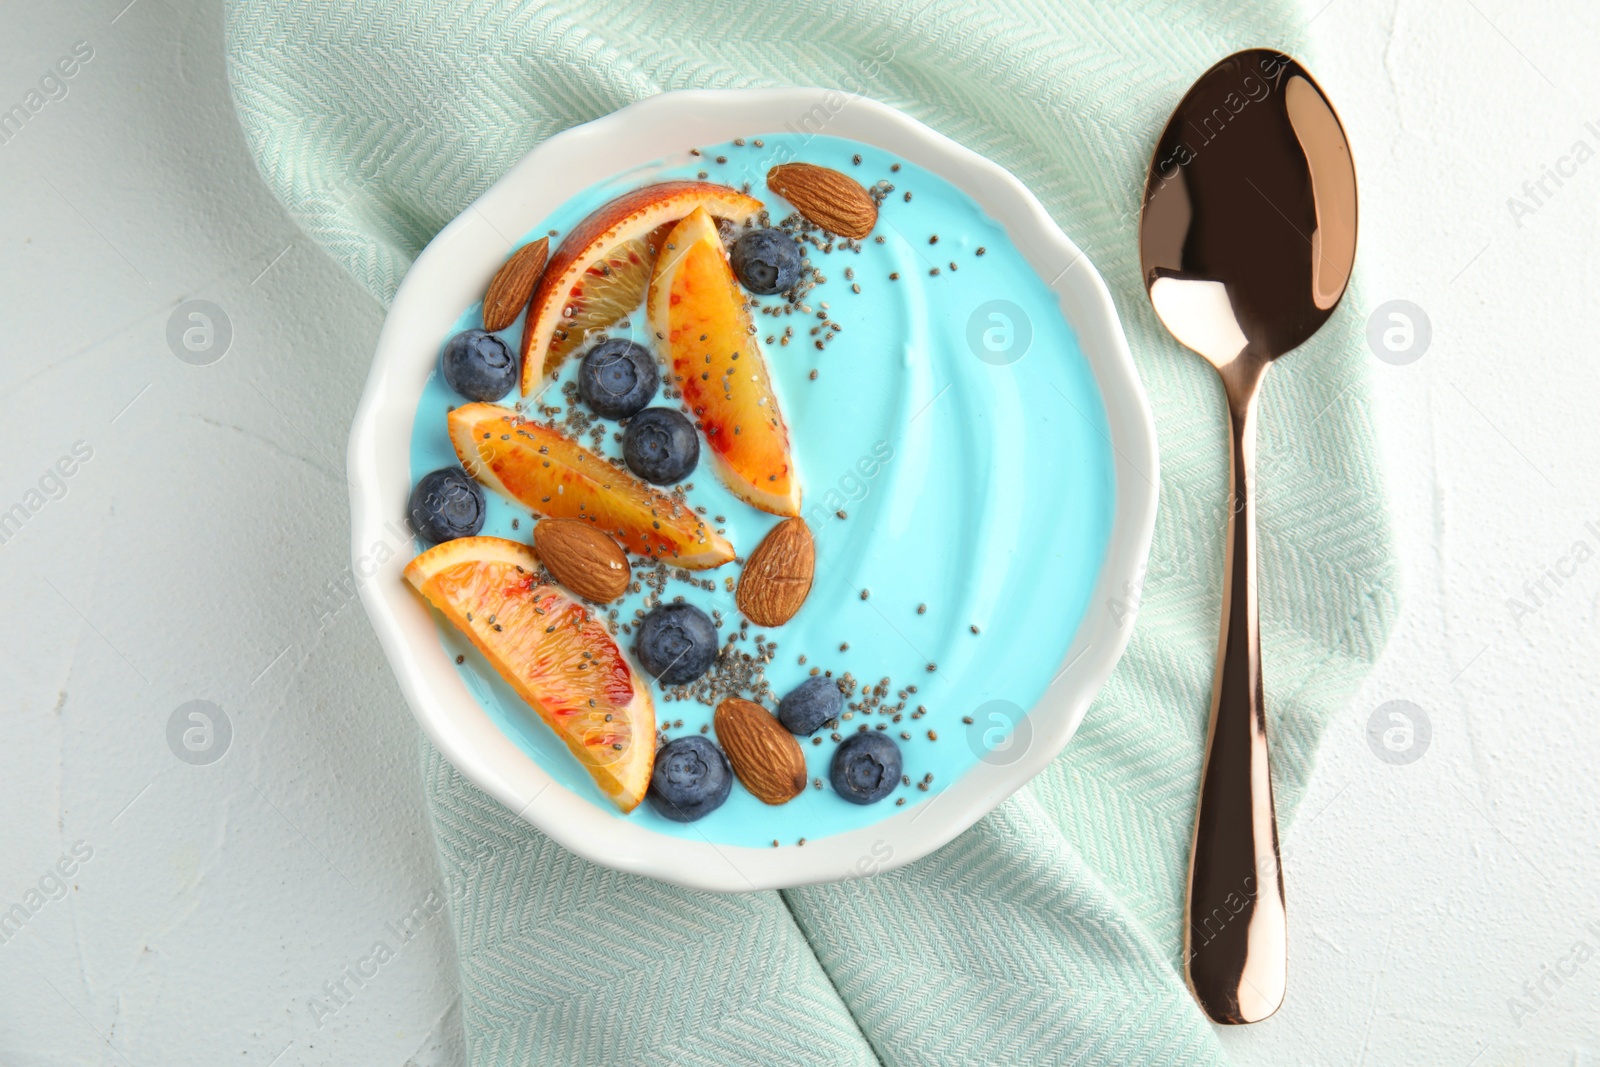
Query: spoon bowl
column 1249, row 224
column 1246, row 241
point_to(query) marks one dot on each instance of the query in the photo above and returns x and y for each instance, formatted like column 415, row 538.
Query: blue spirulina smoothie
column 957, row 476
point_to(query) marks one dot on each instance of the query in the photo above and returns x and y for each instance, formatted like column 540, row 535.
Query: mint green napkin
column 1049, row 932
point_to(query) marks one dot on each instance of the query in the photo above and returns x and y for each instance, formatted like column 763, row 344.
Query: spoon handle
column 1235, row 932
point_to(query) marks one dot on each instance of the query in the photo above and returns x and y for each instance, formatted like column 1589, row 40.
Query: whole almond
column 832, row 200
column 777, row 576
column 765, row 756
column 582, row 558
column 513, row 284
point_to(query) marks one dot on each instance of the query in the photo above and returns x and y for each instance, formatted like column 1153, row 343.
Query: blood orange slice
column 607, row 292
column 551, row 651
column 551, row 474
column 698, row 309
column 599, row 272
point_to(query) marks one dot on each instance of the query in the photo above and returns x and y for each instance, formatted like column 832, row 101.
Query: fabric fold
column 564, row 962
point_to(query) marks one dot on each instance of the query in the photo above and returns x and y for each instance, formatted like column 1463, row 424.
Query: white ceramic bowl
column 452, row 273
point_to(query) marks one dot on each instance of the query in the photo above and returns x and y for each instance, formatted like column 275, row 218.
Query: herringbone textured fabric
column 1049, row 932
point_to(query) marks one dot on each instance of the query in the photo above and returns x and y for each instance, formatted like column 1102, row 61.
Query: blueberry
column 478, row 365
column 691, row 779
column 660, row 446
column 677, row 643
column 766, row 261
column 865, row 768
column 810, row 704
column 618, row 378
column 447, row 504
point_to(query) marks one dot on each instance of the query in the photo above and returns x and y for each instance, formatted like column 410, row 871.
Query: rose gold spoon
column 1246, row 242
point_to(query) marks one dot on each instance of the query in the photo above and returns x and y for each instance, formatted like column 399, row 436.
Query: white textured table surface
column 1444, row 911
